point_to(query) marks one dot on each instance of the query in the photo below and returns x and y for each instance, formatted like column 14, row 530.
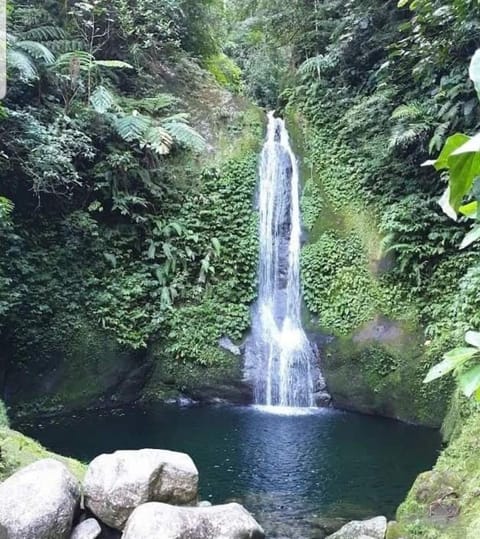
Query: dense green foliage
column 114, row 212
column 382, row 87
column 122, row 219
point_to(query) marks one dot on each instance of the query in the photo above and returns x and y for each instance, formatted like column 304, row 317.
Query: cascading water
column 279, row 358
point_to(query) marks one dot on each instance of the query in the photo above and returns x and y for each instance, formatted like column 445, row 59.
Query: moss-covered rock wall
column 374, row 353
column 444, row 503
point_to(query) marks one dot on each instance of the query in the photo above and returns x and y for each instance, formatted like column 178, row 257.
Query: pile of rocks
column 146, row 494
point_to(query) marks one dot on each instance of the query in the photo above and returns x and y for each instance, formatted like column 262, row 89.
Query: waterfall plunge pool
column 292, row 472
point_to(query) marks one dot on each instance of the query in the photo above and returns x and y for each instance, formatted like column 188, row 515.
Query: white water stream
column 279, row 358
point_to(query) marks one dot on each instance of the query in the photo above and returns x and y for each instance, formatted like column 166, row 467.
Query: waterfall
column 280, row 361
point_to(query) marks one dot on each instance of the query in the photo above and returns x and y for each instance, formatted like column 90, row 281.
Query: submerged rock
column 39, row 502
column 88, row 529
column 117, row 483
column 161, row 521
column 325, row 526
column 375, row 528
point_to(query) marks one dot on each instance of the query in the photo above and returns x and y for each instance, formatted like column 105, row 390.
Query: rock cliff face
column 370, row 339
column 378, row 369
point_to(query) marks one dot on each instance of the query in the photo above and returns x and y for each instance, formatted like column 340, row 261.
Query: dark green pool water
column 290, row 471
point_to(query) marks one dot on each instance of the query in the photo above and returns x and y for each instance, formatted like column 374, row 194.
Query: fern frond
column 29, row 16
column 132, row 127
column 62, row 46
column 102, row 100
column 6, row 209
column 36, row 50
column 185, row 135
column 22, row 63
column 151, row 105
column 403, row 136
column 44, row 33
column 310, row 66
column 82, row 59
column 158, row 140
column 409, row 111
column 317, row 64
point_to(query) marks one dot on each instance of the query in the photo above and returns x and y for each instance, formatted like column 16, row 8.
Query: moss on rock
column 18, row 451
column 445, row 502
column 205, row 383
column 379, row 369
column 87, row 369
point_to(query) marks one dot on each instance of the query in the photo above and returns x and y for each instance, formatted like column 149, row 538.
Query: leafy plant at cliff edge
column 461, row 158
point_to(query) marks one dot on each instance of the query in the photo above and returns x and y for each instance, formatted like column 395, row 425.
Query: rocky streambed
column 137, row 494
column 144, row 494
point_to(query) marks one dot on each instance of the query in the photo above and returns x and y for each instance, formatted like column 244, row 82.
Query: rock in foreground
column 88, row 529
column 161, row 521
column 39, row 502
column 117, row 483
column 375, row 528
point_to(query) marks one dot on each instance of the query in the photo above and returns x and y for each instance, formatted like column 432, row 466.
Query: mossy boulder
column 86, row 369
column 204, row 383
column 379, row 369
column 445, row 502
column 18, row 451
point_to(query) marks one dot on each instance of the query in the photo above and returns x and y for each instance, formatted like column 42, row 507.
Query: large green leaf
column 452, row 143
column 464, row 166
column 470, row 381
column 472, row 145
column 439, row 370
column 473, row 338
column 474, row 70
column 471, row 237
column 453, row 359
column 444, row 202
column 470, row 210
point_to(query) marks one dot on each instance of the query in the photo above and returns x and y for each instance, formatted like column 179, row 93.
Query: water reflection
column 290, row 470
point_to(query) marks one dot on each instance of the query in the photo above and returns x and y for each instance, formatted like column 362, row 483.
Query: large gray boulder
column 375, row 528
column 161, row 521
column 39, row 502
column 88, row 529
column 117, row 483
